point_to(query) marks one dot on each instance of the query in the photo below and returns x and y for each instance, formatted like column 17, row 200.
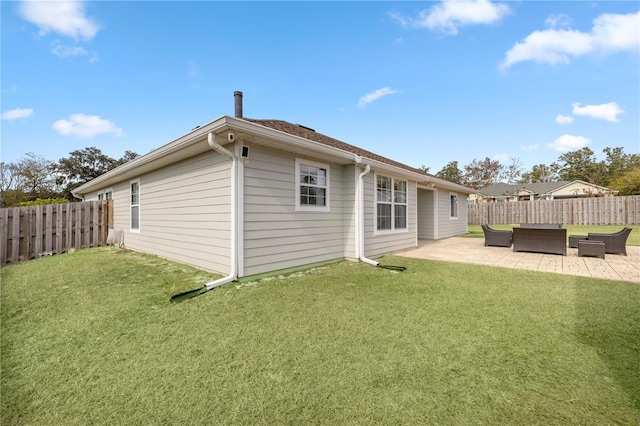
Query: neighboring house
column 246, row 197
column 502, row 192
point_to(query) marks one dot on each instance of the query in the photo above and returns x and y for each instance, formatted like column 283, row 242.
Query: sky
column 423, row 83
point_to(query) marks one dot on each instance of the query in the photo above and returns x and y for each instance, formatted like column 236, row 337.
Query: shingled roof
column 505, row 189
column 310, row 134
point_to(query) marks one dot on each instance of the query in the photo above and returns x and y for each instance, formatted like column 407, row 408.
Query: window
column 391, row 203
column 453, row 201
column 312, row 186
column 106, row 195
column 135, row 205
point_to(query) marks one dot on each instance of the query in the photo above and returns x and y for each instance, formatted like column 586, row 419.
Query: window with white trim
column 135, row 205
column 453, row 203
column 105, row 195
column 312, row 186
column 391, row 204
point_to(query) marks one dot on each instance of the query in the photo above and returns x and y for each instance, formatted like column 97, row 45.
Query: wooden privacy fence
column 573, row 211
column 31, row 232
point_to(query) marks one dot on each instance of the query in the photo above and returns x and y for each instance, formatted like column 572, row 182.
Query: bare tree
column 511, row 173
column 479, row 174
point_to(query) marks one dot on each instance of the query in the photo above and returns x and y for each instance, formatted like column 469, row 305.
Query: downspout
column 360, row 216
column 233, row 274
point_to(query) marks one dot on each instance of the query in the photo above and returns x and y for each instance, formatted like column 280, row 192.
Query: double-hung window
column 312, row 186
column 391, row 204
column 135, row 205
column 106, row 195
column 453, row 203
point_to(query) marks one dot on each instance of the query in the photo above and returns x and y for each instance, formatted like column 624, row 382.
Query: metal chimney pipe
column 238, row 103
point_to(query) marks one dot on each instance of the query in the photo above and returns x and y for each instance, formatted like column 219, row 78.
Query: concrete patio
column 472, row 250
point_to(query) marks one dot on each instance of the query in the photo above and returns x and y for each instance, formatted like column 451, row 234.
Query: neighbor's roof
column 506, row 190
column 540, row 188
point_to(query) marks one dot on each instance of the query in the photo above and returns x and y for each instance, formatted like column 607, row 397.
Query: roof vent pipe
column 238, row 103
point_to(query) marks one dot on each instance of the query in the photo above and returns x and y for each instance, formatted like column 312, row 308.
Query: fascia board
column 418, row 177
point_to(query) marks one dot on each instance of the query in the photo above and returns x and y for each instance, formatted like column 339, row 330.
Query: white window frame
column 313, row 208
column 132, row 205
column 393, row 204
column 107, row 194
column 453, row 208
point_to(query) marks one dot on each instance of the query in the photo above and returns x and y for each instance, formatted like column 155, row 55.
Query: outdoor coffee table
column 591, row 248
column 573, row 240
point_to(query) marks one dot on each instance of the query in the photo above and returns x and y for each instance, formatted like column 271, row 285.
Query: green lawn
column 475, row 231
column 90, row 337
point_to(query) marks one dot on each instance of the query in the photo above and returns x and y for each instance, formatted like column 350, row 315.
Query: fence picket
column 574, row 211
column 27, row 232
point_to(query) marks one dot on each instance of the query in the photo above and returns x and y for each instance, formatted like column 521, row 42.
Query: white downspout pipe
column 360, row 218
column 233, row 274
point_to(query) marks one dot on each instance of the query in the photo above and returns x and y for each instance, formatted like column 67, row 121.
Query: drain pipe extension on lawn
column 360, row 217
column 233, row 274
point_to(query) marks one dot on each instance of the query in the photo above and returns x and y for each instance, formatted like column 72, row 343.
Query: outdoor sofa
column 615, row 243
column 495, row 237
column 540, row 240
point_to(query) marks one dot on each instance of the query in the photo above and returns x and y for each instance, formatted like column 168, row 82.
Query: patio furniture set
column 552, row 239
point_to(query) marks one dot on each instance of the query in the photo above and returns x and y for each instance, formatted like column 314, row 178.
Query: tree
column 130, row 155
column 580, row 165
column 619, row 164
column 34, row 177
column 479, row 174
column 451, row 172
column 83, row 165
column 512, row 172
column 538, row 173
column 424, row 168
column 8, row 178
column 628, row 183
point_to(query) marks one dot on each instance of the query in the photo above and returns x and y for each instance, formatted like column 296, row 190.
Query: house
column 503, row 192
column 245, row 197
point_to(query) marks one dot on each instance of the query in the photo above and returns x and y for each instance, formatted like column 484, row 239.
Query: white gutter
column 233, row 273
column 360, row 216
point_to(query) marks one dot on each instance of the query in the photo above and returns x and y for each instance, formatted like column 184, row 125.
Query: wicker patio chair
column 494, row 237
column 615, row 243
column 541, row 225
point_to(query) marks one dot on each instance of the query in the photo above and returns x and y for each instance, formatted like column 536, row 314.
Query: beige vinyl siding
column 426, row 219
column 447, row 226
column 184, row 212
column 378, row 243
column 276, row 236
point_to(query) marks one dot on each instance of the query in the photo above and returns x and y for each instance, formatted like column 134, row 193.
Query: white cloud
column 567, row 143
column 564, row 119
column 14, row 114
column 607, row 112
column 373, row 96
column 448, row 16
column 67, row 51
column 610, row 33
column 65, row 17
column 85, row 126
column 558, row 21
column 530, row 147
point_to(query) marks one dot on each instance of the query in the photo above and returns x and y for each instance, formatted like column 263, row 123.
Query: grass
column 91, row 338
column 475, row 231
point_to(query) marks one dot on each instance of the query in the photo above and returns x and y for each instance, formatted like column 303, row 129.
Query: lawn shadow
column 608, row 320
